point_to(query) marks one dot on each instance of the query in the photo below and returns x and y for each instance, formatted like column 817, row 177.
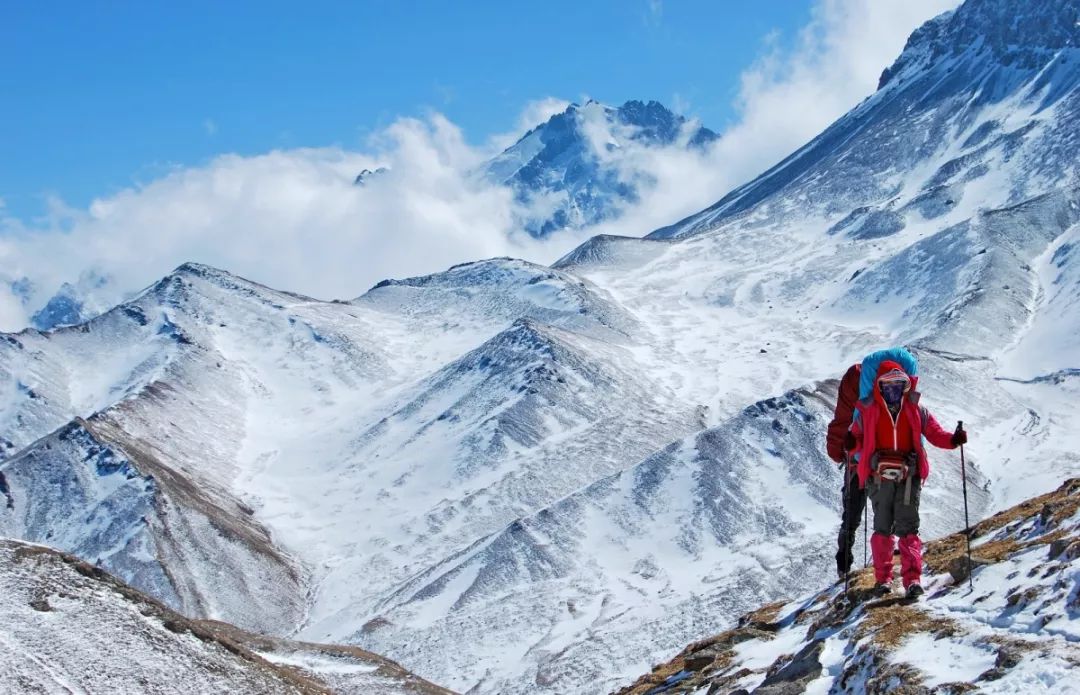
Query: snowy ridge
column 70, row 627
column 1015, row 630
column 609, row 250
column 490, row 293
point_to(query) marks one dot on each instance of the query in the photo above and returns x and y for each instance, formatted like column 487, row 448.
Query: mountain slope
column 978, row 111
column 70, row 627
column 153, row 430
column 1015, row 630
column 92, row 489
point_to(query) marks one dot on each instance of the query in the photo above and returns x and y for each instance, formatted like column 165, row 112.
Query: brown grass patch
column 763, row 618
column 722, row 645
column 889, row 625
column 1053, row 508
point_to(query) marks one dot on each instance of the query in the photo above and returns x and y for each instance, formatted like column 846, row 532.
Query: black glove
column 959, row 438
column 849, row 441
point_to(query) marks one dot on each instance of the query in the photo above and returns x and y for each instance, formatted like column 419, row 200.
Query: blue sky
column 100, row 95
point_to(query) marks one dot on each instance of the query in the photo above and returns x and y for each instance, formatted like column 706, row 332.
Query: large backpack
column 846, row 396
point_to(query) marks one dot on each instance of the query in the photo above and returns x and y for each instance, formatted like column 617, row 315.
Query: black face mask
column 892, row 392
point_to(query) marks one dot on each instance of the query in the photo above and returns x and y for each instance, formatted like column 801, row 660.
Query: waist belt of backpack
column 896, row 467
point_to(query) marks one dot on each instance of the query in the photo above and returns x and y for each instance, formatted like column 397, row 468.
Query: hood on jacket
column 870, row 364
column 892, row 383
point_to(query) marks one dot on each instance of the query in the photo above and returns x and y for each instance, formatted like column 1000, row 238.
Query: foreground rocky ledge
column 1015, row 630
column 71, row 627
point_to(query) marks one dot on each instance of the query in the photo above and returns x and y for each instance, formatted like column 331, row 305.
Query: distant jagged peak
column 572, row 170
column 73, row 303
column 648, row 122
column 658, row 123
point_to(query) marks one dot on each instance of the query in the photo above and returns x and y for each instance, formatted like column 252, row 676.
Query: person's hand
column 959, row 437
column 849, row 441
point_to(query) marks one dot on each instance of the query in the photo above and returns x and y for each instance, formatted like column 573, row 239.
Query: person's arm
column 936, row 434
column 863, row 467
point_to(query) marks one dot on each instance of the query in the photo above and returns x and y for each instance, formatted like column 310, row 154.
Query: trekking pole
column 967, row 520
column 844, row 530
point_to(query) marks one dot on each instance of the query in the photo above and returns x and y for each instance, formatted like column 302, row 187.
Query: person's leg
column 881, row 543
column 858, row 505
column 849, row 524
column 906, row 515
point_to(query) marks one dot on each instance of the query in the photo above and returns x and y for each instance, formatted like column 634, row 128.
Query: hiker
column 892, row 467
column 840, row 445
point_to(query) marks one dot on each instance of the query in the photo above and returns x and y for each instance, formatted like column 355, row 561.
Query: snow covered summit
column 570, row 171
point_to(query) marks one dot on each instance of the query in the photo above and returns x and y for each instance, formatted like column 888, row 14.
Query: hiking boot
column 915, row 591
column 880, row 591
column 841, row 574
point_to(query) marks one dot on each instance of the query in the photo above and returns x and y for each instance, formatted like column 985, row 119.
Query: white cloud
column 292, row 218
column 210, row 126
column 680, row 104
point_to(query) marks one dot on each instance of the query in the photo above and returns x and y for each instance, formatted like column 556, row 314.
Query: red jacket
column 846, row 398
column 917, row 420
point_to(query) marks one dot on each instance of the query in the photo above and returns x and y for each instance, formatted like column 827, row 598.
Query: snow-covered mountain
column 573, row 170
column 514, row 478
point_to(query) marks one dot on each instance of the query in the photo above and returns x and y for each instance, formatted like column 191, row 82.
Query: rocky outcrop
column 1017, row 621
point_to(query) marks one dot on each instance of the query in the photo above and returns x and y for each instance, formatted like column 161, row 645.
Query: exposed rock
column 959, row 568
column 793, row 677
